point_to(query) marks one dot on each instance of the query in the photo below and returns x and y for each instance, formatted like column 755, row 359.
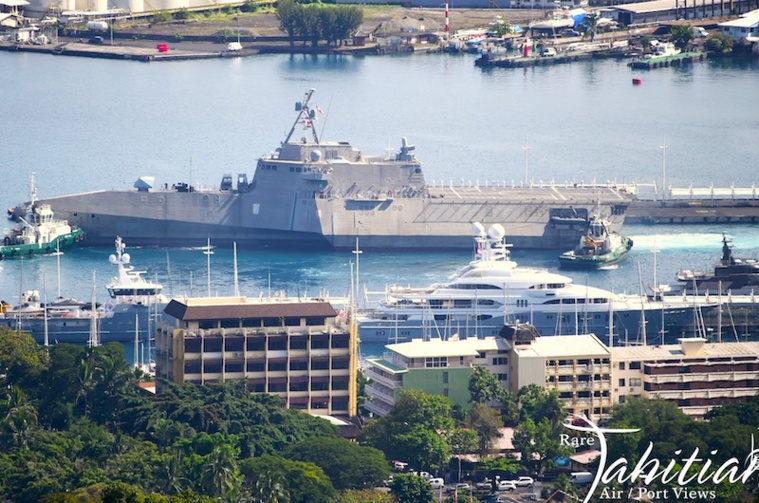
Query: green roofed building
column 439, row 367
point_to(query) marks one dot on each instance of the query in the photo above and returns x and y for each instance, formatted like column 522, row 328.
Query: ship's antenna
column 663, row 148
column 326, row 114
column 526, row 149
column 304, row 116
column 33, row 188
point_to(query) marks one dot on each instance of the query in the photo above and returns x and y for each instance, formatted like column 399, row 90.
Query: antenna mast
column 306, row 116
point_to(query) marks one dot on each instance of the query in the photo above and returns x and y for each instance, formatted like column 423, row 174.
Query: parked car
column 524, row 481
column 570, row 33
column 455, row 487
column 507, row 485
column 436, row 483
column 486, row 484
column 548, row 52
column 97, row 40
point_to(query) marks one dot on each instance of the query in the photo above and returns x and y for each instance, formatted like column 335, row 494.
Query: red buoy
column 637, row 82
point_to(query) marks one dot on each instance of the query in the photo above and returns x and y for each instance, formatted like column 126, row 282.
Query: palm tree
column 270, row 488
column 20, row 418
column 221, row 475
column 590, row 25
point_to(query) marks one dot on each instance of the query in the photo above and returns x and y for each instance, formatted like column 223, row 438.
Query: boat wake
column 686, row 241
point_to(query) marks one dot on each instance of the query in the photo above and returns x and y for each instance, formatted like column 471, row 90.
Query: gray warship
column 314, row 194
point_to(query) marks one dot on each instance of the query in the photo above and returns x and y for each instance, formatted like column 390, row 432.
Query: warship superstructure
column 311, row 193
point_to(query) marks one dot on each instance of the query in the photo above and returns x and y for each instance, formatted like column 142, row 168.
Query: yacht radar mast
column 306, row 116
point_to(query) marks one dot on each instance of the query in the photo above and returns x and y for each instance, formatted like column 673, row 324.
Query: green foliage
column 681, row 34
column 315, row 22
column 537, row 403
column 502, row 27
column 21, row 358
column 718, row 43
column 485, row 387
column 410, row 431
column 302, row 482
column 118, row 492
column 348, row 465
column 162, row 16
column 486, row 422
column 409, row 488
column 183, row 13
column 365, row 496
column 539, row 444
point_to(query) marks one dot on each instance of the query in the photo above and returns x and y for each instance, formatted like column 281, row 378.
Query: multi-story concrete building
column 440, row 367
column 301, row 350
column 696, row 374
column 577, row 366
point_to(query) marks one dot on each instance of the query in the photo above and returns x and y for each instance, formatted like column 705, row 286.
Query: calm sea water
column 86, row 124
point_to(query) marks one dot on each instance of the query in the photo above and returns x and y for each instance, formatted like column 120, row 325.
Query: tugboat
column 735, row 275
column 599, row 247
column 37, row 232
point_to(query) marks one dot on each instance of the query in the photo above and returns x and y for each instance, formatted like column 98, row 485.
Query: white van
column 699, row 32
column 580, row 478
column 436, row 483
column 548, row 52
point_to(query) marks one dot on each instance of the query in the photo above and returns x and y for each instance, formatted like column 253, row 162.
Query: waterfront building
column 746, row 26
column 301, row 350
column 657, row 11
column 696, row 374
column 577, row 366
column 439, row 367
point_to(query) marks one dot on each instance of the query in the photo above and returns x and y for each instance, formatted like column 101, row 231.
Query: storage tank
column 99, row 26
column 135, row 6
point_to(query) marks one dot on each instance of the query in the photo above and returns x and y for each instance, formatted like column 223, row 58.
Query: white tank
column 172, row 4
column 136, row 6
column 100, row 26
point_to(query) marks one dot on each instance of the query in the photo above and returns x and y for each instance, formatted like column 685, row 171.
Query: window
column 503, row 377
column 500, row 361
column 621, row 365
column 621, row 382
column 636, row 381
column 634, row 365
column 445, row 377
column 436, row 362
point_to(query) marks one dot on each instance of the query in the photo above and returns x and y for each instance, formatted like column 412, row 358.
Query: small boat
column 599, row 247
column 37, row 231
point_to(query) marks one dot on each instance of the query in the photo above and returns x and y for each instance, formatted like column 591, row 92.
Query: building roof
column 653, row 6
column 747, row 20
column 675, row 352
column 564, row 346
column 437, row 348
column 14, row 3
column 235, row 308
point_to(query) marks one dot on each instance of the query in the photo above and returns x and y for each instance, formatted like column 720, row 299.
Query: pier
column 123, row 52
column 664, row 61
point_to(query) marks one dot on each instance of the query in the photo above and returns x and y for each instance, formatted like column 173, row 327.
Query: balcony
column 378, row 409
column 382, row 394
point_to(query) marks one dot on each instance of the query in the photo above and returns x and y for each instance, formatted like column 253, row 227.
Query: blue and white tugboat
column 599, row 247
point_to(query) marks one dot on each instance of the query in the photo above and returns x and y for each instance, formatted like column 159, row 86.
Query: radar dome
column 316, row 156
column 112, row 259
column 496, row 232
column 478, row 229
column 125, row 258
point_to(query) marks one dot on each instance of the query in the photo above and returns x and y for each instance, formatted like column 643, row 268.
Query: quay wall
column 693, row 211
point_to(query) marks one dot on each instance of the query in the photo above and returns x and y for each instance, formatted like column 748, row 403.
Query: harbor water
column 88, row 124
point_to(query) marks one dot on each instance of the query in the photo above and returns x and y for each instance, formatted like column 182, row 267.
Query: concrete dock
column 693, row 211
column 122, row 52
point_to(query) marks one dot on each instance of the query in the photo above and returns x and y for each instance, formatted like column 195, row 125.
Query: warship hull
column 262, row 218
column 311, row 193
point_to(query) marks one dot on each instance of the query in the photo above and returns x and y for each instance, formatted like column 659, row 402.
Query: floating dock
column 664, row 61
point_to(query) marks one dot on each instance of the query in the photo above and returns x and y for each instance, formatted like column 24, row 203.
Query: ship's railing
column 533, row 184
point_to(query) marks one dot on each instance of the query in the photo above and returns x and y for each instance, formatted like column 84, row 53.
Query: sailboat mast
column 93, row 316
column 237, row 283
column 136, row 357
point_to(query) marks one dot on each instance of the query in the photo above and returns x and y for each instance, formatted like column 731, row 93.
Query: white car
column 524, row 482
column 507, row 485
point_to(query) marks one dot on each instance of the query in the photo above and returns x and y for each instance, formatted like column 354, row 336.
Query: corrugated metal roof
column 654, row 6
